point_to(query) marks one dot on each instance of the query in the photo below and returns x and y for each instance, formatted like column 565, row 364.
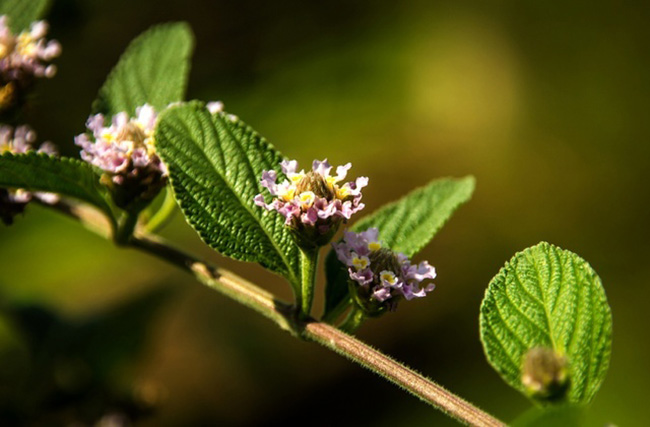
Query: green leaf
column 215, row 165
column 410, row 223
column 551, row 298
column 153, row 70
column 65, row 176
column 22, row 13
column 405, row 225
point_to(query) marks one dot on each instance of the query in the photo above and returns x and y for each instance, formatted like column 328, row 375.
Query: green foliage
column 405, row 225
column 408, row 224
column 215, row 165
column 65, row 176
column 22, row 13
column 153, row 69
column 548, row 297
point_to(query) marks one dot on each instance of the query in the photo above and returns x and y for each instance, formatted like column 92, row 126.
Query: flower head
column 24, row 56
column 379, row 277
column 313, row 203
column 20, row 140
column 124, row 150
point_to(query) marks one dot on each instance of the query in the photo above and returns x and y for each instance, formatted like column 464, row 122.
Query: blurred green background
column 545, row 103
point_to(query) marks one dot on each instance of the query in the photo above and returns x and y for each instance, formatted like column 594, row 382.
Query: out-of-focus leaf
column 22, row 13
column 153, row 70
column 65, row 176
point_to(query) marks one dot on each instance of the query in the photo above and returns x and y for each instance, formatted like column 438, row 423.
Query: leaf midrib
column 257, row 222
column 247, row 207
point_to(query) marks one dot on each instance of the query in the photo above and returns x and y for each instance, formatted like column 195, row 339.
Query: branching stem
column 307, row 328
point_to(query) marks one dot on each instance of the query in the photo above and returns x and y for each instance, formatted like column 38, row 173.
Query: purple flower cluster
column 124, row 149
column 20, row 141
column 314, row 199
column 26, row 55
column 381, row 274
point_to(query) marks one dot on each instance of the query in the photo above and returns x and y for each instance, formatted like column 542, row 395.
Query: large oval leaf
column 550, row 298
column 215, row 165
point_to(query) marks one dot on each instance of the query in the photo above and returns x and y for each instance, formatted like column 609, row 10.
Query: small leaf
column 408, row 224
column 64, row 176
column 547, row 297
column 215, row 166
column 22, row 13
column 153, row 70
column 405, row 225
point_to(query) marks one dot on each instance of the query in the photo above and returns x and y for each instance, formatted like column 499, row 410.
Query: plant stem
column 395, row 372
column 125, row 230
column 326, row 335
column 223, row 281
column 282, row 314
column 308, row 266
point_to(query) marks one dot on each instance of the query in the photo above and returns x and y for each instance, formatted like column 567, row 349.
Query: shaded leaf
column 65, row 176
column 215, row 166
column 22, row 13
column 410, row 223
column 153, row 69
column 550, row 298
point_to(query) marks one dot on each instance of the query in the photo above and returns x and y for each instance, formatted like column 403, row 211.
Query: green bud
column 544, row 374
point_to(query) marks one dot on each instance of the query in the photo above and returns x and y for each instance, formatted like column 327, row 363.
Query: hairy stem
column 395, row 372
column 326, row 335
column 223, row 281
column 283, row 315
column 309, row 266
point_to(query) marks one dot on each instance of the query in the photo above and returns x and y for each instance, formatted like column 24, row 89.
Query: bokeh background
column 545, row 103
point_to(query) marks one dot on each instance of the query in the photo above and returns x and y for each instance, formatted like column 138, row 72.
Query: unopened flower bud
column 544, row 373
column 313, row 204
column 379, row 277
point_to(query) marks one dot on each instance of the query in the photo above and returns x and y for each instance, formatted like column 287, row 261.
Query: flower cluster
column 19, row 141
column 124, row 150
column 25, row 56
column 380, row 277
column 313, row 203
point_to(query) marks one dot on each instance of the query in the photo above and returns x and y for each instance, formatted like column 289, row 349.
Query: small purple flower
column 20, row 140
column 25, row 56
column 124, row 150
column 380, row 276
column 313, row 203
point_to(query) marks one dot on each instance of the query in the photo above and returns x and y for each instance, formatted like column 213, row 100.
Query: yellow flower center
column 306, row 199
column 388, row 276
column 374, row 246
column 360, row 263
